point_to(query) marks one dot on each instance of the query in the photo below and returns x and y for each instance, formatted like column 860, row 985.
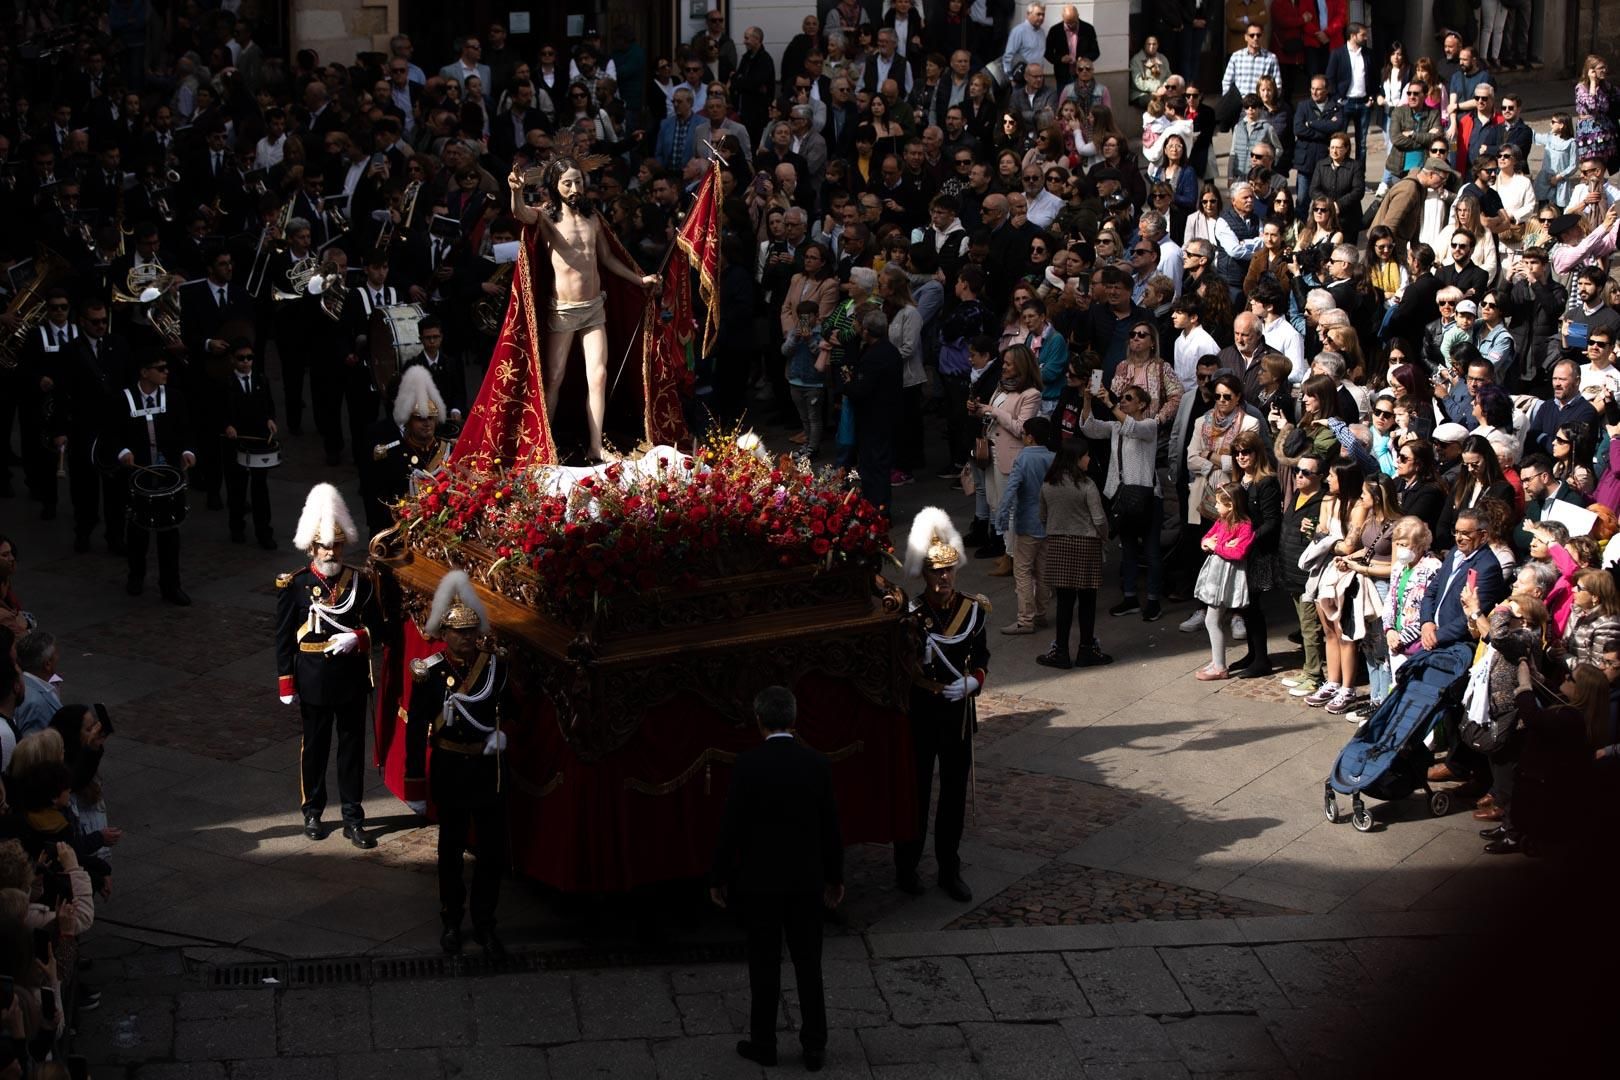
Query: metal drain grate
column 365, row 970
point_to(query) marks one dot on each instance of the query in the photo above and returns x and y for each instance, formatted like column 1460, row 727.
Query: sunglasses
column 1405, row 459
column 1601, row 343
column 1140, row 334
column 1561, row 439
column 1243, row 451
column 1446, row 303
column 1305, row 472
column 1385, row 414
column 1218, row 397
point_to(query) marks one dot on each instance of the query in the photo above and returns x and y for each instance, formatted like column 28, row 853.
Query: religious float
column 642, row 604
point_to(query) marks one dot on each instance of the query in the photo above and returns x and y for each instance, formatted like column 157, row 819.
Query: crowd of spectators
column 55, row 842
column 949, row 254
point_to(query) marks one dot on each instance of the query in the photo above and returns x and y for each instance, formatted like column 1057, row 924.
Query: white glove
column 346, row 642
column 964, row 687
column 289, row 699
column 495, row 743
column 418, row 806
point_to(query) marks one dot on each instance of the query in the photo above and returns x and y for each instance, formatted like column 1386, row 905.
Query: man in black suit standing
column 873, row 384
column 93, row 366
column 250, row 424
column 780, row 857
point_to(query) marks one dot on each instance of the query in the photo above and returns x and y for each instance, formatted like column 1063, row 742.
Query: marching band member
column 146, row 427
column 458, row 706
column 955, row 657
column 250, row 424
column 324, row 612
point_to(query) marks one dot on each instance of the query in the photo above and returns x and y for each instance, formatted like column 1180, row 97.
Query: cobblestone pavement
column 1157, row 891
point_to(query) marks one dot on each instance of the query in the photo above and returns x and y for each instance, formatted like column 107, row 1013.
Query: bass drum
column 157, row 498
column 395, row 340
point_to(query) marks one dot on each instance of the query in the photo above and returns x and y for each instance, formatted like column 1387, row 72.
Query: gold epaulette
column 422, row 668
column 380, row 451
column 983, row 601
column 283, row 580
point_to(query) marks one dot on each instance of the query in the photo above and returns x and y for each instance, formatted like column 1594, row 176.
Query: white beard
column 329, row 567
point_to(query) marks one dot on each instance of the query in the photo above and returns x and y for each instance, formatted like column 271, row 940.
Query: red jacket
column 1290, row 21
column 1338, row 18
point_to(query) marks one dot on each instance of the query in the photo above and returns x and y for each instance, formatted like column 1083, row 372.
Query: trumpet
column 330, row 286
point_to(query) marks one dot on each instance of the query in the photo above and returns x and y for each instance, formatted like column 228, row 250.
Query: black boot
column 978, row 533
column 485, row 938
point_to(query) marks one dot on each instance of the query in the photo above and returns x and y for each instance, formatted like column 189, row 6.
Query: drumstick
column 61, row 461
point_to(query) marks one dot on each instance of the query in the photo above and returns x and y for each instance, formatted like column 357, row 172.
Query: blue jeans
column 1133, row 549
column 1358, row 115
column 1379, row 678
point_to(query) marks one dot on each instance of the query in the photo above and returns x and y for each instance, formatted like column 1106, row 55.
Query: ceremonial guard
column 146, row 428
column 417, row 453
column 955, row 656
column 458, row 706
column 324, row 612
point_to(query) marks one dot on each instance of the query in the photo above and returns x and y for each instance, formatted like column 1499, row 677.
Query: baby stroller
column 1387, row 758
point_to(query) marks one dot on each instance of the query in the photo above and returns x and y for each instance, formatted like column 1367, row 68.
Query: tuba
column 489, row 311
column 50, row 269
column 330, row 286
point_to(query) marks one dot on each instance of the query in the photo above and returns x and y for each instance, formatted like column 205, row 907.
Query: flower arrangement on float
column 657, row 519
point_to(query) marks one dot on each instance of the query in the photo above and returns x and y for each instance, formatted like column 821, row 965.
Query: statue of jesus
column 578, row 246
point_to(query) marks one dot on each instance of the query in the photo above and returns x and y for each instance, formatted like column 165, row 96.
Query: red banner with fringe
column 508, row 423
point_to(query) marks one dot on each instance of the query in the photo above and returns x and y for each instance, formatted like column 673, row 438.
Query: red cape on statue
column 509, row 423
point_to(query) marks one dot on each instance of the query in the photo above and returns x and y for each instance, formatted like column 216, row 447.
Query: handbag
column 981, row 451
column 1131, row 508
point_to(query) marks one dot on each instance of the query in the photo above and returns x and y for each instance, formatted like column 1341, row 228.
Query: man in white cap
column 458, row 705
column 323, row 659
column 1448, row 439
column 956, row 656
column 419, row 451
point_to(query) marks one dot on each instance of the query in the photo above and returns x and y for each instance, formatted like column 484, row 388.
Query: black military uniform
column 954, row 646
column 393, row 465
column 459, row 711
column 332, row 688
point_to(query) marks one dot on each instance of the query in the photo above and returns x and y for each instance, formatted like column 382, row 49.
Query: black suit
column 1472, row 280
column 162, row 438
column 90, row 373
column 249, row 411
column 875, row 388
column 779, row 847
column 41, row 359
column 1057, row 47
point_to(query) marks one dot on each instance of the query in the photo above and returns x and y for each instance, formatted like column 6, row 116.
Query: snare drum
column 259, row 454
column 157, row 498
column 395, row 340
